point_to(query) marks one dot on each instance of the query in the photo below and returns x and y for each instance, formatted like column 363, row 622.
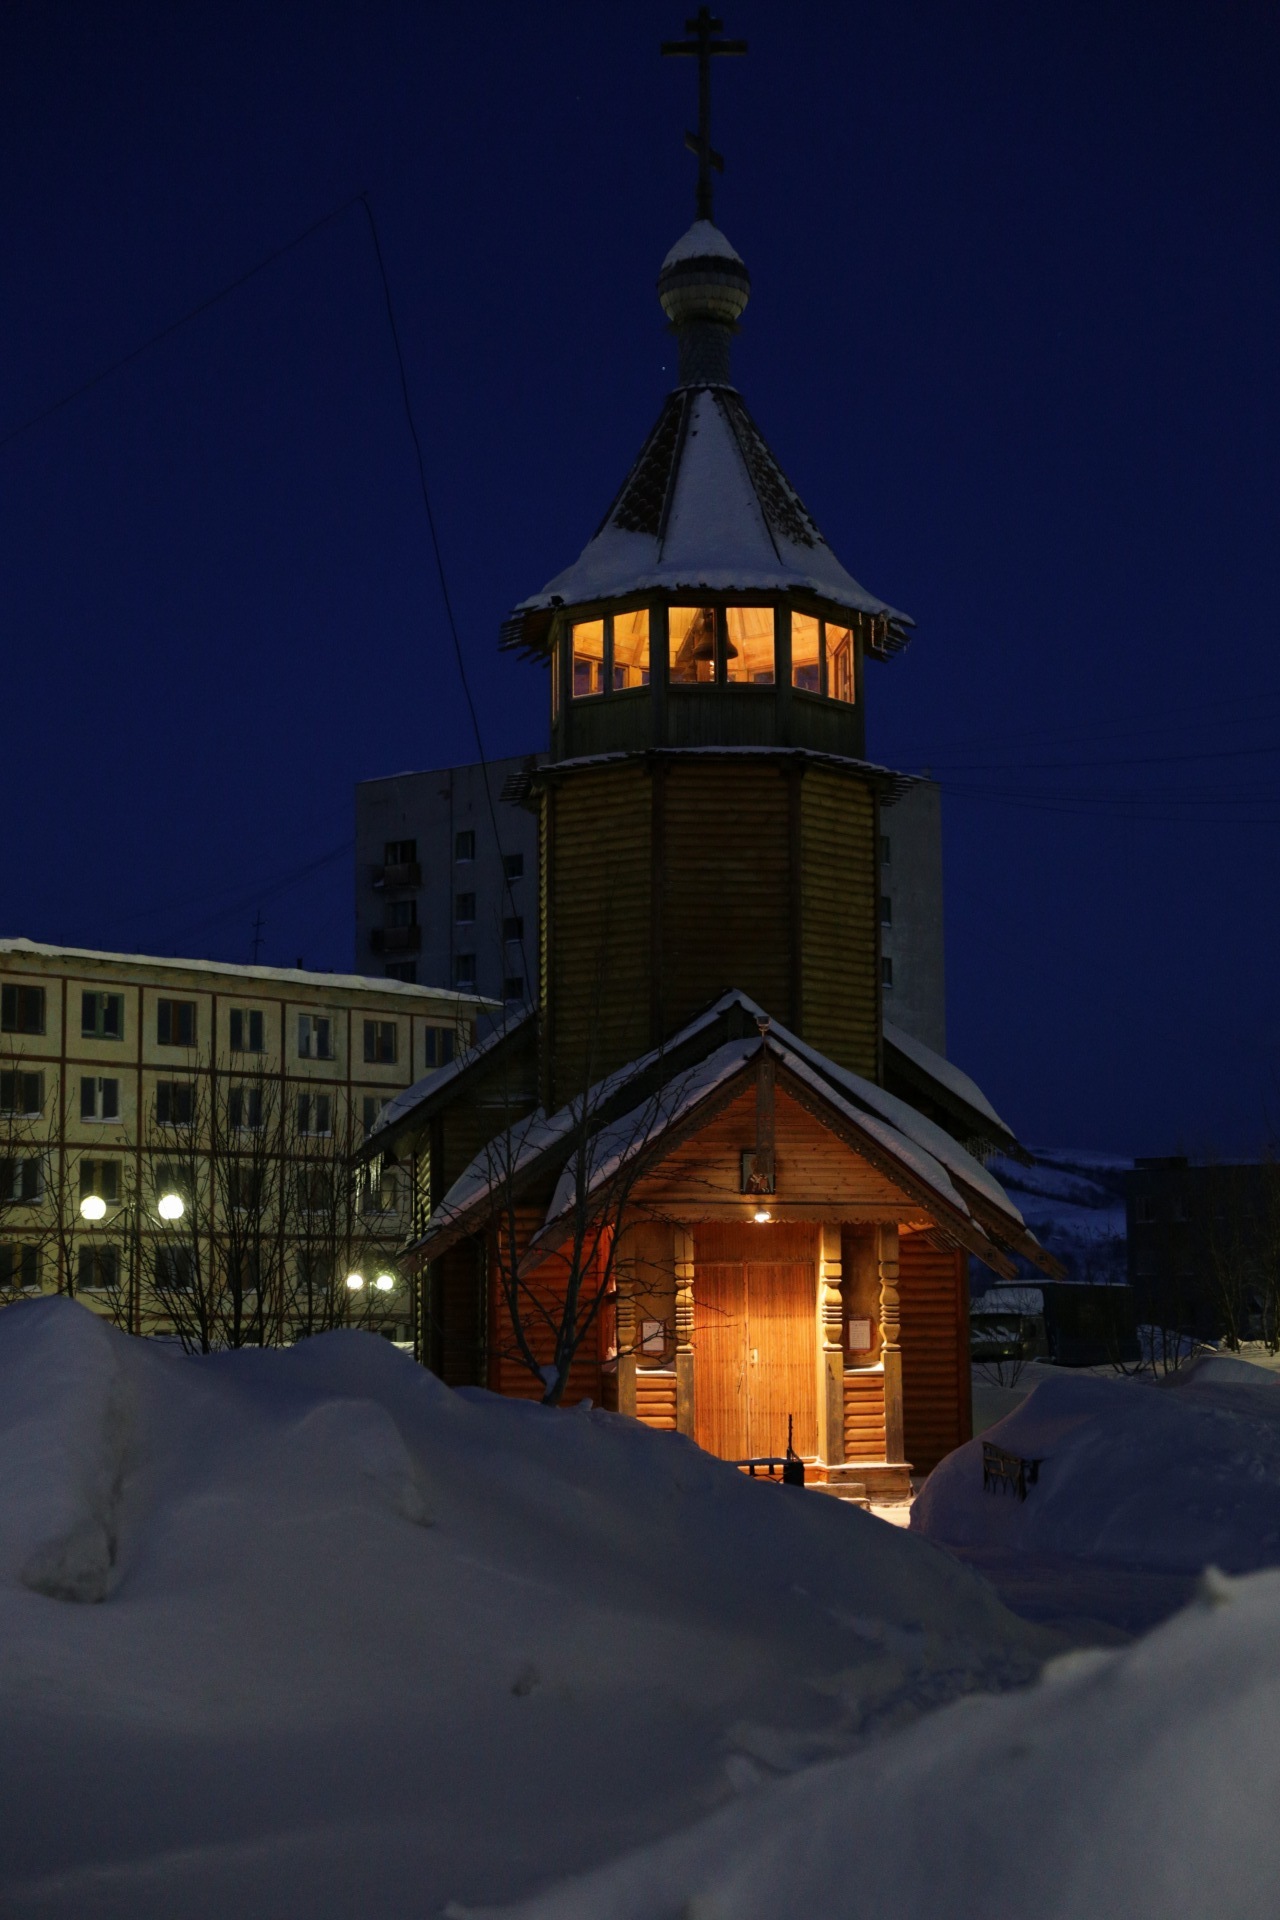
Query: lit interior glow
column 384, row 1282
column 355, row 1281
column 760, row 1215
column 693, row 645
column 93, row 1207
column 749, row 652
column 806, row 654
column 588, row 658
column 171, row 1206
column 631, row 649
column 840, row 683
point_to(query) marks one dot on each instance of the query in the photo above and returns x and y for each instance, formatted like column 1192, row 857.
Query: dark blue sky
column 1013, row 336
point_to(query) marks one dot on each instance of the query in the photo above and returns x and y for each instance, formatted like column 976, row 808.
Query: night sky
column 1013, row 336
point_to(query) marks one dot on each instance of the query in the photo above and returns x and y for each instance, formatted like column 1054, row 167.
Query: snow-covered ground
column 305, row 1633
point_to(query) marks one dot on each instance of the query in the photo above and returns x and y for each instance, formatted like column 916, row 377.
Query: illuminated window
column 693, row 646
column 749, row 646
column 840, row 684
column 806, row 652
column 588, row 658
column 631, row 649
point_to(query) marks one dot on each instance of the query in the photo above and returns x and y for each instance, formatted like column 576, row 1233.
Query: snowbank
column 1131, row 1786
column 1174, row 1476
column 330, row 1639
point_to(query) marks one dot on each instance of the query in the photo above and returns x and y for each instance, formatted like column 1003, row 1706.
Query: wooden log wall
column 864, row 1415
column 507, row 1371
column 937, row 1415
column 656, row 1398
column 840, row 919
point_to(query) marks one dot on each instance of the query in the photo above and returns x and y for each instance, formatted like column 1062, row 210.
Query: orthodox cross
column 704, row 46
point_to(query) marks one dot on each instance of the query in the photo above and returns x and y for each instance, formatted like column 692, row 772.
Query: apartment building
column 176, row 1137
column 447, row 879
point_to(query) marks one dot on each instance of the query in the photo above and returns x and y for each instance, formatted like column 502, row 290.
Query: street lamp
column 93, row 1207
column 171, row 1206
column 385, row 1282
column 355, row 1281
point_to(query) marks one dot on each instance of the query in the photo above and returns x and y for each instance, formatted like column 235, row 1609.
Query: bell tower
column 708, row 817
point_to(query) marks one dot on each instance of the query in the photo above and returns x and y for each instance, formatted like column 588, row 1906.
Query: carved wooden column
column 891, row 1339
column 830, row 1348
column 684, row 1332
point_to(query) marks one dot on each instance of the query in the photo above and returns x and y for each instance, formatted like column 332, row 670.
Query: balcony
column 409, row 874
column 396, row 939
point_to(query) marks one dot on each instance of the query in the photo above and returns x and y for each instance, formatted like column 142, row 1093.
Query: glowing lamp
column 93, row 1207
column 761, row 1215
column 171, row 1206
column 355, row 1281
column 385, row 1282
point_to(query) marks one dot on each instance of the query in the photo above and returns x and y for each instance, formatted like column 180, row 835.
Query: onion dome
column 704, row 287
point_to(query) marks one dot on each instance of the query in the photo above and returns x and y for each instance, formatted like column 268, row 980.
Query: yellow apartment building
column 176, row 1139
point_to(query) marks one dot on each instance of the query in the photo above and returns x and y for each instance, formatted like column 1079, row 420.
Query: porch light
column 384, row 1282
column 171, row 1206
column 93, row 1207
column 355, row 1281
column 761, row 1215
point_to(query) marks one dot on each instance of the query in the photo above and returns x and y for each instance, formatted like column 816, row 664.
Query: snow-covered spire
column 704, row 287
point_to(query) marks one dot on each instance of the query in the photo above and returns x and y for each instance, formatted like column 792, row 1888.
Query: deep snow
column 305, row 1633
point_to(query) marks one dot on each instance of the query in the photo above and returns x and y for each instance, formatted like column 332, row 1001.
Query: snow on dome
column 703, row 241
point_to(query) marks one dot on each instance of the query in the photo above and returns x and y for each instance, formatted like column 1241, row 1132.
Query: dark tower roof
column 706, row 505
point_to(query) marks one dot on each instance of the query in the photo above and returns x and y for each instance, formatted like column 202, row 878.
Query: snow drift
column 1176, row 1475
column 307, row 1633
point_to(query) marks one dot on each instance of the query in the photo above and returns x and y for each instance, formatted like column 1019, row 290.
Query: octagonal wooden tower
column 709, row 819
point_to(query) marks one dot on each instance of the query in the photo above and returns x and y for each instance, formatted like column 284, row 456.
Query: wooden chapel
column 700, row 1150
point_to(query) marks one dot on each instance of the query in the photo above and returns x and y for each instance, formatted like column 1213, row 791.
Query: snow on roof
column 706, row 506
column 297, row 976
column 431, row 1083
column 941, row 1069
column 703, row 241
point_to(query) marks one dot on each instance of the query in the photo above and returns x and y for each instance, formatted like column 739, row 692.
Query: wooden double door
column 755, row 1351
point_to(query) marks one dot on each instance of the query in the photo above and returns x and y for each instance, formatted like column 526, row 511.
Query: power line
column 174, row 326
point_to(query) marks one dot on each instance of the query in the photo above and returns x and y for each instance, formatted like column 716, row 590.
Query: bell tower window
column 588, row 658
column 630, row 650
column 806, row 652
column 749, row 646
column 693, row 646
column 840, row 678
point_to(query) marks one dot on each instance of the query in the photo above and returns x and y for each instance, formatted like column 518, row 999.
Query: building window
column 98, row 1269
column 176, row 1023
column 400, row 853
column 245, row 1186
column 692, row 646
column 806, row 653
column 513, row 987
column 1145, row 1210
column 373, row 1106
column 315, row 1190
column 587, row 646
column 315, row 1113
column 464, row 970
column 885, row 850
column 630, row 650
column 168, row 1178
column 244, row 1270
column 380, row 1042
column 513, row 927
column 749, row 646
column 19, row 1267
column 315, row 1036
column 102, row 1016
column 315, row 1273
column 513, row 866
column 99, row 1099
column 22, row 1009
column 381, row 1192
column 21, row 1094
column 886, row 910
column 886, row 972
column 840, row 679
column 439, row 1046
column 21, row 1182
column 464, row 909
column 401, row 913
column 406, row 970
column 175, row 1103
column 175, row 1268
column 247, row 1034
column 245, row 1108
column 464, row 845
column 101, row 1178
